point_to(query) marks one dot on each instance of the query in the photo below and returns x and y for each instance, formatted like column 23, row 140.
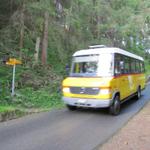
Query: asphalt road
column 63, row 130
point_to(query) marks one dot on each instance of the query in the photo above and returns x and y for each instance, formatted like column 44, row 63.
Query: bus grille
column 84, row 90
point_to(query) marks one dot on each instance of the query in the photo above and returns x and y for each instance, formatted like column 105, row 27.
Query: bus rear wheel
column 114, row 109
column 72, row 108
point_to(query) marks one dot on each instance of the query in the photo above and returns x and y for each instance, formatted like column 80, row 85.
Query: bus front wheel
column 114, row 109
column 138, row 93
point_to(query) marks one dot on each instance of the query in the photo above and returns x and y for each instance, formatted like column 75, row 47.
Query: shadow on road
column 100, row 111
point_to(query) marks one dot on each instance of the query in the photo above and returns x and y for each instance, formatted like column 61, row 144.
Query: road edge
column 119, row 129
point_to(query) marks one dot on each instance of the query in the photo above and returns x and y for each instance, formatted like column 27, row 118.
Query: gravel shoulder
column 135, row 135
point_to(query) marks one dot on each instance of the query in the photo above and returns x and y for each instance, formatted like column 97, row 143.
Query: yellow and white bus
column 103, row 77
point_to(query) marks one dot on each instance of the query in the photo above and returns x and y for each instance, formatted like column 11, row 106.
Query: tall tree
column 45, row 38
column 21, row 28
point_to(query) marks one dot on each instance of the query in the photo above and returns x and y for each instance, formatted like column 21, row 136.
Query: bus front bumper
column 83, row 102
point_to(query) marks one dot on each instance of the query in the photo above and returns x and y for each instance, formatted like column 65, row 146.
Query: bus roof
column 98, row 51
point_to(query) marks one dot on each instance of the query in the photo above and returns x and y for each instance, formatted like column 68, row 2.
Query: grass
column 30, row 99
column 6, row 108
column 36, row 89
column 42, row 98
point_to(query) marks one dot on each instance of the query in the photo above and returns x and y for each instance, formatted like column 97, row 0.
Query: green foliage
column 77, row 24
column 29, row 98
column 73, row 25
column 6, row 108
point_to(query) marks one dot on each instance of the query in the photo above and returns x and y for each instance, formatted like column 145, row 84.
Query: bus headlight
column 66, row 89
column 105, row 91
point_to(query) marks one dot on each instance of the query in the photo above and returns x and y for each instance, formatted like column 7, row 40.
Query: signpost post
column 13, row 62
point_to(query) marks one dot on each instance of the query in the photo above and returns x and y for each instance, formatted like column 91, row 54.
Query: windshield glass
column 96, row 65
column 85, row 67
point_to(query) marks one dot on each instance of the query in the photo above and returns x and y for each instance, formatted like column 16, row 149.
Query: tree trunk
column 21, row 29
column 37, row 46
column 45, row 38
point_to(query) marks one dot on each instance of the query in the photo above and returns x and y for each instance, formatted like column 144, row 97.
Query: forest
column 44, row 34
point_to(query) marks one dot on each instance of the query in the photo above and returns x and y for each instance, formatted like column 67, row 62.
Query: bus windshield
column 98, row 65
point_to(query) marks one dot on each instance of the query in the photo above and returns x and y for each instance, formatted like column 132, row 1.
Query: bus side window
column 133, row 69
column 119, row 65
column 127, row 65
column 122, row 67
column 138, row 66
column 142, row 67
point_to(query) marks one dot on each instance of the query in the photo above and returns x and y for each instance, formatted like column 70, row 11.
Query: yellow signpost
column 13, row 62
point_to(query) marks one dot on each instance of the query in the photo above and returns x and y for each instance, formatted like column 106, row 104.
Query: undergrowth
column 43, row 98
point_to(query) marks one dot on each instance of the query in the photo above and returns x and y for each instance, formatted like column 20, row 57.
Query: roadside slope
column 135, row 135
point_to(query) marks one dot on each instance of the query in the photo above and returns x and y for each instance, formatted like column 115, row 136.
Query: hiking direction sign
column 13, row 62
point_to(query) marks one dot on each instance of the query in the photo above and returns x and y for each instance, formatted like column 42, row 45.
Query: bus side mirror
column 67, row 69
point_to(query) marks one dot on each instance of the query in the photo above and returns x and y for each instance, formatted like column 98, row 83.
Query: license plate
column 82, row 101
